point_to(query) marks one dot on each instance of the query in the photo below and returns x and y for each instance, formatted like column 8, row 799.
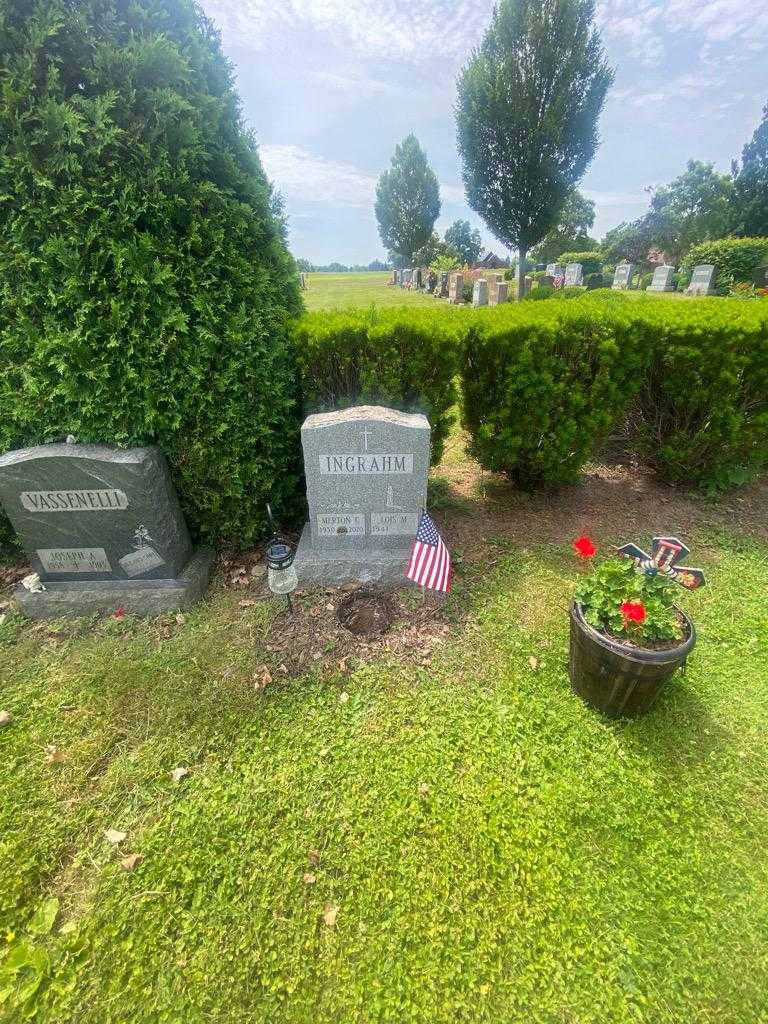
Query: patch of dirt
column 366, row 612
column 614, row 502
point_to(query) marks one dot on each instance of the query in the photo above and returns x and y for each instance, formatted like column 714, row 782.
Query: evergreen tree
column 751, row 186
column 528, row 105
column 145, row 285
column 407, row 202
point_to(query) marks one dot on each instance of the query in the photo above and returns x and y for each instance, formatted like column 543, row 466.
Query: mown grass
column 345, row 291
column 495, row 850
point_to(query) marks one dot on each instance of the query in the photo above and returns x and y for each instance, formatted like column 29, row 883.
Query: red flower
column 119, row 615
column 584, row 547
column 633, row 611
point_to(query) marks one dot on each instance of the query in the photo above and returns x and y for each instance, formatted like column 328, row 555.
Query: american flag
column 430, row 564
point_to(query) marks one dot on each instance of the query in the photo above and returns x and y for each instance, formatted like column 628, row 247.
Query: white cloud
column 307, row 177
column 441, row 29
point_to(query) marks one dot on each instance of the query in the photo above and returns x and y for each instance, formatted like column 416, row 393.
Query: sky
column 331, row 86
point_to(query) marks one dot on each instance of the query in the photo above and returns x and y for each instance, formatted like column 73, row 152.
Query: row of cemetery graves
column 492, row 290
column 103, row 529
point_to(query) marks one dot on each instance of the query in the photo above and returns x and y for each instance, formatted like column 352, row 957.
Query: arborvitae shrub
column 543, row 383
column 736, row 259
column 145, row 285
column 704, row 399
column 405, row 358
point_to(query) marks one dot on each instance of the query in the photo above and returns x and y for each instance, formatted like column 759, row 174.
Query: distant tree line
column 306, row 267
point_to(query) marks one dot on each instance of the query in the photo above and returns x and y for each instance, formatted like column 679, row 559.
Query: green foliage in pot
column 622, row 602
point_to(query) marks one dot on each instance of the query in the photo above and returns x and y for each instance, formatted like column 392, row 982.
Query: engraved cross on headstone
column 664, row 559
column 365, row 434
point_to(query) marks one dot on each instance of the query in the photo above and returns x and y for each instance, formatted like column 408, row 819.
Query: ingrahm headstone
column 702, row 280
column 574, row 275
column 662, row 279
column 480, row 292
column 622, row 277
column 366, row 470
column 103, row 529
column 456, row 289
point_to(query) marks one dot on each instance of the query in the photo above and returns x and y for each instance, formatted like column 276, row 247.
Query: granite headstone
column 102, row 527
column 480, row 292
column 622, row 277
column 456, row 289
column 443, row 284
column 366, row 471
column 497, row 291
column 702, row 280
column 760, row 277
column 574, row 275
column 662, row 279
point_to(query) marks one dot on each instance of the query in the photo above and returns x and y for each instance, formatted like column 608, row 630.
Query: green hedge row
column 736, row 259
column 405, row 358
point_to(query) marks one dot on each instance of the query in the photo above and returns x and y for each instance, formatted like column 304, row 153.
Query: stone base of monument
column 135, row 597
column 333, row 568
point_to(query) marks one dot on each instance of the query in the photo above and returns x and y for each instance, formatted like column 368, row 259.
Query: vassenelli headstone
column 622, row 277
column 574, row 275
column 366, row 470
column 702, row 280
column 662, row 279
column 103, row 528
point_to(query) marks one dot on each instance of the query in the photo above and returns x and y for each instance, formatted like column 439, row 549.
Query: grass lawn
column 340, row 291
column 429, row 827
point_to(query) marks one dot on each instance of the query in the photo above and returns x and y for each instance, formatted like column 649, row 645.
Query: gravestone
column 431, row 282
column 443, row 285
column 622, row 277
column 456, row 289
column 555, row 270
column 406, row 277
column 480, row 292
column 760, row 277
column 546, row 281
column 103, row 528
column 394, row 277
column 497, row 291
column 574, row 275
column 416, row 280
column 662, row 279
column 366, row 470
column 702, row 280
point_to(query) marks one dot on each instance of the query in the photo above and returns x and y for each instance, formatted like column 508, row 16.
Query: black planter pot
column 615, row 678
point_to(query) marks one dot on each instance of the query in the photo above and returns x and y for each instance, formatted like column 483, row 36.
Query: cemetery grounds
column 424, row 827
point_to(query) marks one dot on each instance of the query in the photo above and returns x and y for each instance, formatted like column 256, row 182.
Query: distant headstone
column 394, row 277
column 443, row 285
column 760, row 277
column 622, row 278
column 546, row 281
column 702, row 280
column 405, row 277
column 431, row 282
column 662, row 279
column 480, row 292
column 574, row 275
column 556, row 270
column 417, row 280
column 103, row 529
column 497, row 291
column 366, row 471
column 456, row 289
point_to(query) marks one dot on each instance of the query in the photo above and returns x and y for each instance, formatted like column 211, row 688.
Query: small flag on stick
column 430, row 564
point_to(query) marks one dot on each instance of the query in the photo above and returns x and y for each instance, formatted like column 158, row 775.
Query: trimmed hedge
column 404, row 358
column 591, row 262
column 704, row 400
column 736, row 259
column 145, row 286
column 544, row 382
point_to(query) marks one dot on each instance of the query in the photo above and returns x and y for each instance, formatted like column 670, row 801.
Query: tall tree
column 465, row 241
column 751, row 185
column 407, row 201
column 571, row 233
column 528, row 104
column 696, row 207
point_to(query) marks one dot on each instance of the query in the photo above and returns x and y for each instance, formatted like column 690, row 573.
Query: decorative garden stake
column 627, row 635
column 665, row 554
column 281, row 572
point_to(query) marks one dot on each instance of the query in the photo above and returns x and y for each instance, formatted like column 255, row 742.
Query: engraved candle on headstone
column 366, row 470
column 103, row 528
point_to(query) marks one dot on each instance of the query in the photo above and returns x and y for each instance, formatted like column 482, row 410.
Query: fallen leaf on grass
column 261, row 682
column 53, row 755
column 343, row 698
column 181, row 619
column 330, row 607
column 178, row 774
column 247, row 602
column 534, row 663
column 423, row 791
column 329, row 914
column 131, row 861
column 5, row 718
column 239, row 577
column 309, row 878
column 113, row 836
column 314, row 857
